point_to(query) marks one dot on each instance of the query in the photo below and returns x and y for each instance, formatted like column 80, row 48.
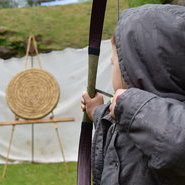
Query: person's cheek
column 114, row 79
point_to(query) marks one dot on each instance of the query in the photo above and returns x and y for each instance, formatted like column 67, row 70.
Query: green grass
column 40, row 174
column 134, row 3
column 55, row 27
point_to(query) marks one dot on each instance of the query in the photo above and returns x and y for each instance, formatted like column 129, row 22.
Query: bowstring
column 118, row 8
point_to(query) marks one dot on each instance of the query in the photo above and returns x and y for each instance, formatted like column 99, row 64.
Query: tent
column 70, row 69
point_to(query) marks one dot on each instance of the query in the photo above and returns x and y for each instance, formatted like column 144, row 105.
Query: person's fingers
column 83, row 107
column 98, row 95
column 86, row 97
column 98, row 98
column 84, row 92
column 82, row 101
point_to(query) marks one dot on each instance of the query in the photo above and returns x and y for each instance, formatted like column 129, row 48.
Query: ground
column 40, row 174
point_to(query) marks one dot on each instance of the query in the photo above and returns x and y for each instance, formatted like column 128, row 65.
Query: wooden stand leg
column 9, row 148
column 60, row 146
column 32, row 148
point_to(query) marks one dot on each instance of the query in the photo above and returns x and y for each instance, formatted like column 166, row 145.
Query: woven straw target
column 32, row 94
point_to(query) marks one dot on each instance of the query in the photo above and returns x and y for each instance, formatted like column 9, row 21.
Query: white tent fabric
column 70, row 69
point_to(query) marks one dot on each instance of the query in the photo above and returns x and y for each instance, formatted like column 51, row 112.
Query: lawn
column 134, row 3
column 40, row 174
column 55, row 27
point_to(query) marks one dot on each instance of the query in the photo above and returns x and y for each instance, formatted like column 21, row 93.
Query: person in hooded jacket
column 140, row 137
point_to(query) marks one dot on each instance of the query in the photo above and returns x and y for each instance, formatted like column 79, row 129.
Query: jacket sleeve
column 102, row 123
column 157, row 127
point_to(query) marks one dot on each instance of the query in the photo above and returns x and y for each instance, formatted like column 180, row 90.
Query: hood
column 151, row 47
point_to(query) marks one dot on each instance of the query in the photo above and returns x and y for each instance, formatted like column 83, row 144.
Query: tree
column 30, row 3
column 8, row 4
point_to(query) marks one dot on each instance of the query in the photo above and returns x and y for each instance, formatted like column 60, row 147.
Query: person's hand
column 113, row 103
column 89, row 104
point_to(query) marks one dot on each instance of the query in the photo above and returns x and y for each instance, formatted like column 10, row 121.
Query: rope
column 36, row 50
column 32, row 41
column 27, row 52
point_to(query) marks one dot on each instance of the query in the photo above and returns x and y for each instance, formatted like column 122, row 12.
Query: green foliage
column 31, row 3
column 40, row 174
column 8, row 4
column 134, row 3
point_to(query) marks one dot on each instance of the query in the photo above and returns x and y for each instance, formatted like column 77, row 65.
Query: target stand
column 32, row 95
